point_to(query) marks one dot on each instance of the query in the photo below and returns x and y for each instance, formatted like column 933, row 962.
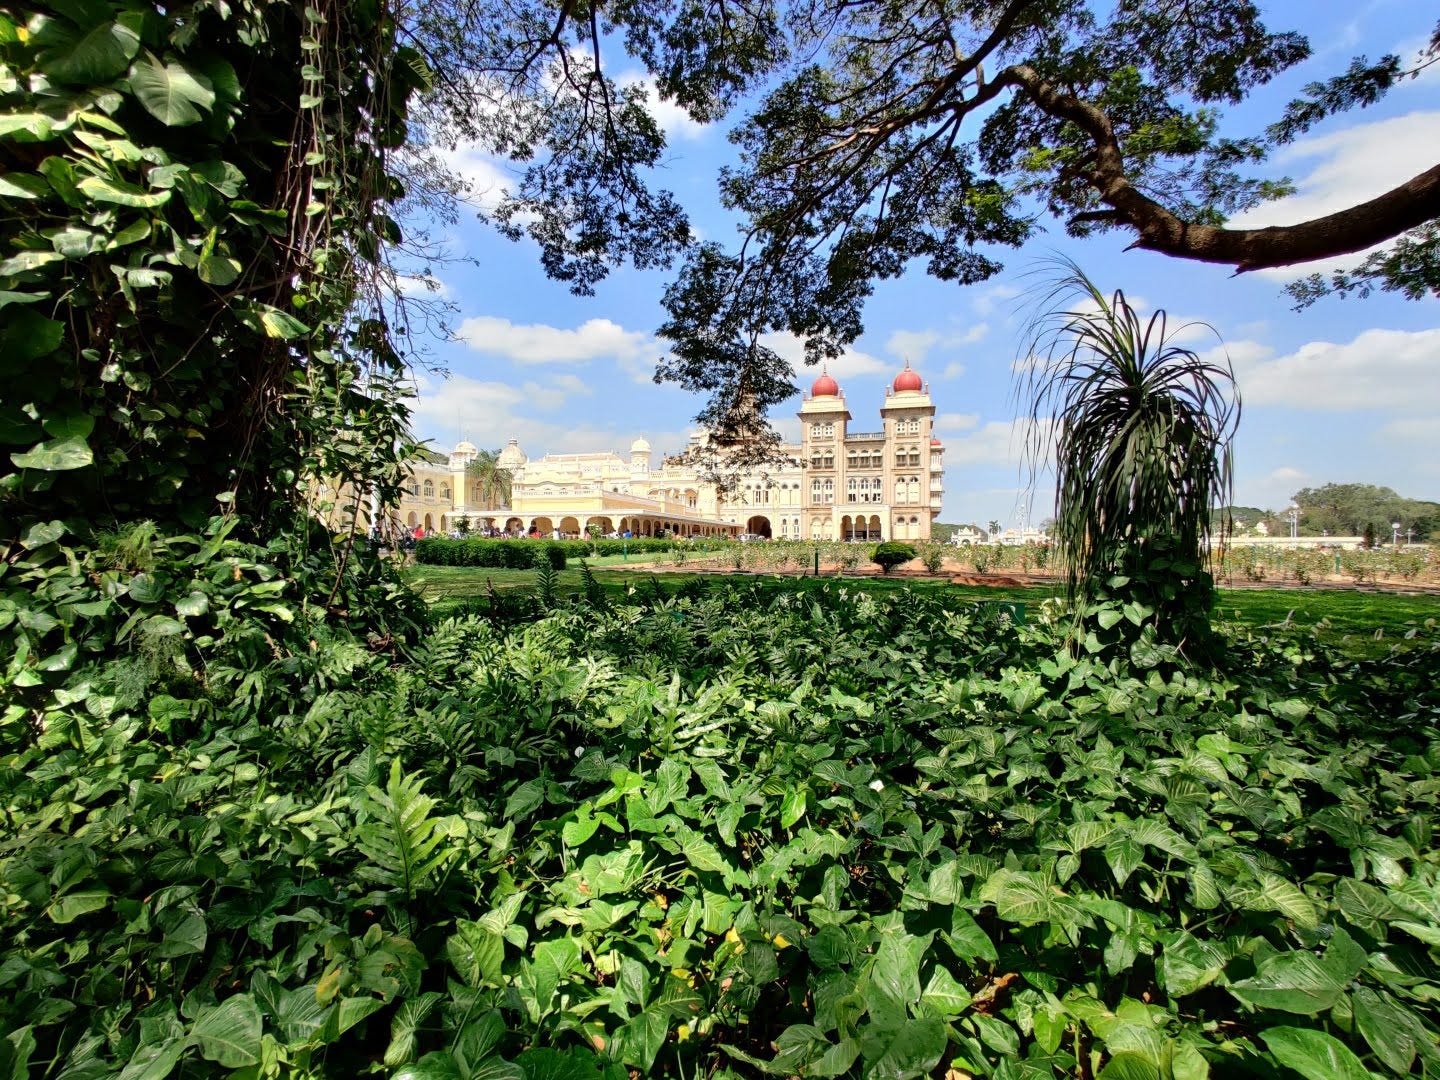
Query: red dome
column 934, row 441
column 908, row 380
column 825, row 386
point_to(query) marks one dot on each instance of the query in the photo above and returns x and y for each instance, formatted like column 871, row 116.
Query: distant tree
column 494, row 483
column 891, row 554
column 1369, row 537
column 994, row 527
column 1345, row 510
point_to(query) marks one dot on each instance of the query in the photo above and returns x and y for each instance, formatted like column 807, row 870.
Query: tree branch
column 1354, row 229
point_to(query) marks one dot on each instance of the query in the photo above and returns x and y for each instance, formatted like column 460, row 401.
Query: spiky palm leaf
column 1141, row 428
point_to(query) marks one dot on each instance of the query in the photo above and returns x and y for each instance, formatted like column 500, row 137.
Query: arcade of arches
column 836, row 484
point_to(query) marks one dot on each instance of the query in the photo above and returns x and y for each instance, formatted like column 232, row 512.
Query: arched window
column 912, row 492
column 829, row 491
column 914, row 457
column 852, row 458
column 814, row 491
column 414, row 488
column 850, row 487
column 900, row 489
column 829, row 460
column 444, row 491
column 429, row 489
column 900, row 455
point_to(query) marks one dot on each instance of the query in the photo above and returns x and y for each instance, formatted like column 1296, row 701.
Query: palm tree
column 1141, row 429
column 490, row 481
column 994, row 527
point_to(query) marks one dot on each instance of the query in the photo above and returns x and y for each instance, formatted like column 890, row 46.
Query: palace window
column 445, row 491
column 829, row 460
column 414, row 488
column 851, row 458
column 914, row 457
column 850, row 489
column 814, row 491
column 829, row 491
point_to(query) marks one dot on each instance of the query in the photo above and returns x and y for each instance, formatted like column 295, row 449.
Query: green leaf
column 29, row 335
column 56, row 455
column 277, row 324
column 792, row 806
column 1391, row 1030
column 1295, row 981
column 908, row 1050
column 967, row 940
column 197, row 603
column 72, row 905
column 172, row 93
column 219, row 270
column 72, row 426
column 436, row 1065
column 42, row 533
column 152, row 1061
column 96, row 56
column 23, row 186
column 943, row 997
column 229, row 1033
column 476, row 953
column 1313, row 1053
column 1129, row 1065
column 104, row 190
column 553, row 962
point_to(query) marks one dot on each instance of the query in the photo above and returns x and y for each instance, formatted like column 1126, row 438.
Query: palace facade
column 836, row 484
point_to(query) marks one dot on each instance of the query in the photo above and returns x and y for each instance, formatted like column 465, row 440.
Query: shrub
column 890, row 555
column 554, row 556
column 933, row 556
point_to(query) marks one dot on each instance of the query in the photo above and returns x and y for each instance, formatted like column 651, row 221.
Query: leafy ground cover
column 1360, row 623
column 737, row 832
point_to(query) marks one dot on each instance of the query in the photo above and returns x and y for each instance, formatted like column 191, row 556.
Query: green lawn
column 1363, row 623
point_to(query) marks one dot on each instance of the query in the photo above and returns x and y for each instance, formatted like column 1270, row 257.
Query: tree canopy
column 882, row 132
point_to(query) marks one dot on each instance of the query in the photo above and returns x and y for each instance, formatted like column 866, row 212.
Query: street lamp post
column 1395, row 533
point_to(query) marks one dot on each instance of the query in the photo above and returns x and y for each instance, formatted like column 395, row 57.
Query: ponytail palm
column 1141, row 430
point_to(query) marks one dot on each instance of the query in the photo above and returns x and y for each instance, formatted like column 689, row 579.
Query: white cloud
column 953, row 370
column 915, row 345
column 1349, row 167
column 911, row 345
column 489, row 178
column 997, row 442
column 537, row 343
column 956, row 421
column 1287, row 473
column 674, row 121
column 489, row 413
column 1379, row 369
column 992, row 296
column 423, row 287
column 849, row 363
column 1414, row 429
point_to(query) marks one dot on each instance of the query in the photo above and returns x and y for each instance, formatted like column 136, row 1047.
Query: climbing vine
column 194, row 209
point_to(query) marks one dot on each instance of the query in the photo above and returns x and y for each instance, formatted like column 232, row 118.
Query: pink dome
column 825, row 386
column 934, row 441
column 908, row 380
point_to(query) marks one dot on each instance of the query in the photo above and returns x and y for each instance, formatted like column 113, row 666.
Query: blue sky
column 1345, row 391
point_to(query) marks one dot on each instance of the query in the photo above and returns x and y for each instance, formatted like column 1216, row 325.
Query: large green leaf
column 57, row 455
column 89, row 55
column 229, row 1033
column 173, row 93
column 27, row 335
column 897, row 1053
column 1297, row 982
column 1315, row 1054
column 120, row 193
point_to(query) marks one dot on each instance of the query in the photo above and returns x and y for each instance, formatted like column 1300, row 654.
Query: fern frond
column 404, row 844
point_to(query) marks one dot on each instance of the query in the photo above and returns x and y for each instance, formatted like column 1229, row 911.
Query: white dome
column 512, row 457
column 463, row 447
column 640, row 446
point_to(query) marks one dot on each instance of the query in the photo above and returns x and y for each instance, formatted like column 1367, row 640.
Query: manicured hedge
column 521, row 554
